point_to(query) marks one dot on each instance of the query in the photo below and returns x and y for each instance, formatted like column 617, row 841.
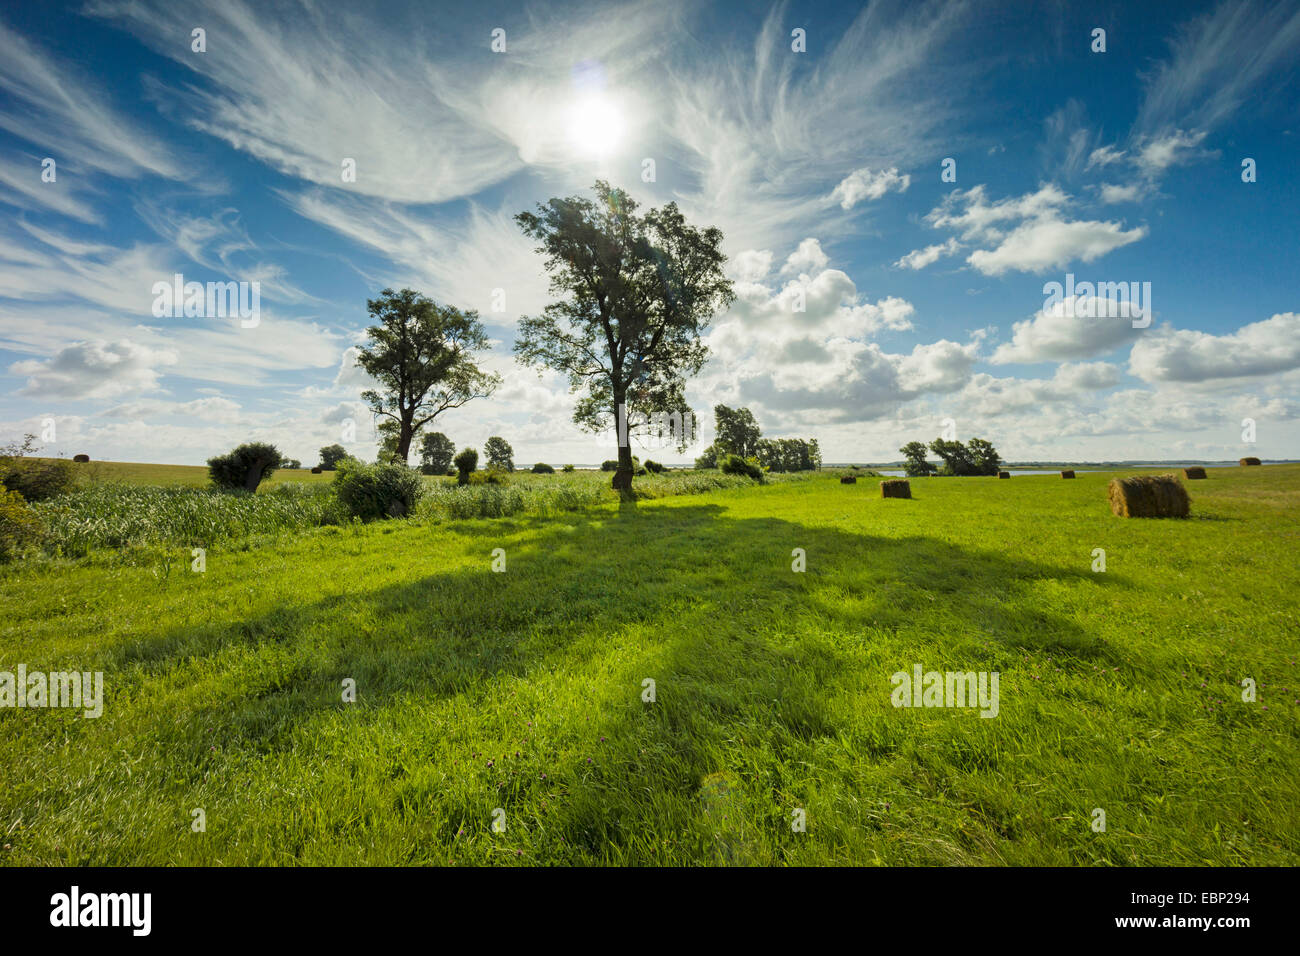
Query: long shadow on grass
column 575, row 586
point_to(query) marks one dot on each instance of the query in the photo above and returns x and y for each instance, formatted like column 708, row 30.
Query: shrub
column 377, row 491
column 465, row 461
column 19, row 525
column 735, row 465
column 492, row 476
column 610, row 464
column 331, row 455
column 542, row 468
column 244, row 467
column 567, row 468
column 37, row 479
column 653, row 466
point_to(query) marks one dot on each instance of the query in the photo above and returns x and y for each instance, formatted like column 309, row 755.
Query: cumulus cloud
column 920, row 258
column 1053, row 244
column 1184, row 355
column 864, row 184
column 94, row 370
column 808, row 258
column 1064, row 331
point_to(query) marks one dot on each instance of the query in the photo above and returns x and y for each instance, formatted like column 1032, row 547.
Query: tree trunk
column 404, row 435
column 623, row 476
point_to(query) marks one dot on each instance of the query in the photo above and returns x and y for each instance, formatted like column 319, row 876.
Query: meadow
column 517, row 695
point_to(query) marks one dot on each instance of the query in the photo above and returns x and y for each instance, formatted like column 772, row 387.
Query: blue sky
column 923, row 300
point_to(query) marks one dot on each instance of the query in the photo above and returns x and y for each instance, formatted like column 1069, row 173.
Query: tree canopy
column 634, row 292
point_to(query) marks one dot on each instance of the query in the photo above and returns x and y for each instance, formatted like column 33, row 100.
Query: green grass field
column 522, row 691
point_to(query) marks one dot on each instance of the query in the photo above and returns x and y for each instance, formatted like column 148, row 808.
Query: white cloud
column 86, row 370
column 920, row 258
column 1063, row 331
column 1218, row 61
column 1155, row 155
column 1184, row 355
column 1046, row 244
column 52, row 106
column 1110, row 193
column 808, row 258
column 864, row 184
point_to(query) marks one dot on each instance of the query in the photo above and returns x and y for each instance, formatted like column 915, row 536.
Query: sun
column 595, row 125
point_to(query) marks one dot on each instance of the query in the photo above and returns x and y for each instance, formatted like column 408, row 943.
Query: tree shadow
column 691, row 572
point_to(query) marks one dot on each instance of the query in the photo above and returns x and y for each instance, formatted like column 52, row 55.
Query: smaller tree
column 331, row 455
column 292, row 463
column 244, row 467
column 466, row 461
column 986, row 457
column 499, row 454
column 737, row 430
column 436, row 451
column 957, row 459
column 916, row 466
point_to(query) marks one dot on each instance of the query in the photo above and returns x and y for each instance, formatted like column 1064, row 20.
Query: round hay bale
column 1196, row 471
column 1149, row 496
column 1004, row 474
column 316, row 470
column 1067, row 474
column 848, row 479
column 81, row 458
column 1248, row 461
column 895, row 488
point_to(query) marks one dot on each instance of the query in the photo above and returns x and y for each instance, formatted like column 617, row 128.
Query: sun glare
column 595, row 126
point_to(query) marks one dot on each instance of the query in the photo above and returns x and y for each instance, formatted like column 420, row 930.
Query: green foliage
column 639, row 291
column 376, row 491
column 331, row 455
column 20, row 528
column 653, row 466
column 422, row 355
column 736, row 465
column 915, row 464
column 244, row 468
column 499, row 454
column 737, row 430
column 568, row 468
column 436, row 451
column 788, row 454
column 120, row 516
column 542, row 468
column 977, row 458
column 492, row 476
column 465, row 461
column 709, row 458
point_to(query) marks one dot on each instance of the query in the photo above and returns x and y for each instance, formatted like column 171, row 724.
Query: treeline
column 976, row 457
column 738, row 435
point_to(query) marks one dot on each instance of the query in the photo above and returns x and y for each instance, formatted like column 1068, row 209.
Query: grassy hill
column 517, row 695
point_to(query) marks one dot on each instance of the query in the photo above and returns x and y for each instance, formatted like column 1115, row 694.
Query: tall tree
column 737, row 429
column 916, row 465
column 635, row 292
column 423, row 356
column 499, row 453
column 987, row 459
column 435, row 453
